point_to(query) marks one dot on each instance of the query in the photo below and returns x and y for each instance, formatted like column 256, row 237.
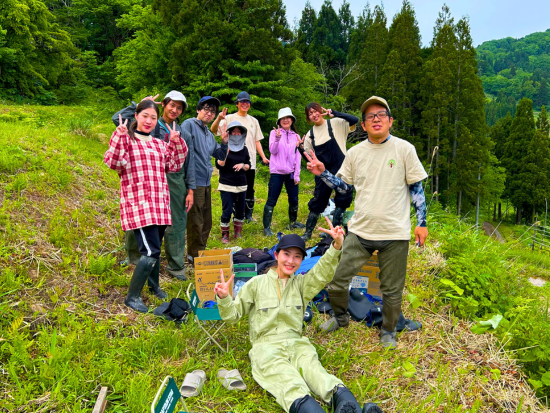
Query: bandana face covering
column 236, row 142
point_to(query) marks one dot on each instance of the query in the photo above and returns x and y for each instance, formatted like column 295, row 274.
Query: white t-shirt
column 381, row 175
column 253, row 134
column 340, row 128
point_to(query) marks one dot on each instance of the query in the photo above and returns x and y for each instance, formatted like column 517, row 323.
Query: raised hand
column 300, row 142
column 225, row 135
column 327, row 112
column 277, row 132
column 314, row 165
column 174, row 134
column 152, row 98
column 337, row 234
column 222, row 288
column 122, row 129
column 222, row 114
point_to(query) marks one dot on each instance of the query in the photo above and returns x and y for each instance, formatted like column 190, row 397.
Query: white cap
column 284, row 112
column 177, row 96
column 375, row 100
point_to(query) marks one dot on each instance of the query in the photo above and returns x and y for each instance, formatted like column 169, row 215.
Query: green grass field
column 65, row 332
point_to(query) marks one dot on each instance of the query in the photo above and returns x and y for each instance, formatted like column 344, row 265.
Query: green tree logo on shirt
column 391, row 163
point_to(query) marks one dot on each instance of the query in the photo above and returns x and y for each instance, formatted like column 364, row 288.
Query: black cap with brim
column 210, row 99
column 290, row 241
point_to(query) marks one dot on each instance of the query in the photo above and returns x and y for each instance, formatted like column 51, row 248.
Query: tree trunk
column 518, row 216
column 533, row 214
column 459, row 202
column 499, row 211
column 495, row 213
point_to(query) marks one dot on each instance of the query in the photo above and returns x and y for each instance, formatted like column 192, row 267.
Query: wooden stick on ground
column 101, row 402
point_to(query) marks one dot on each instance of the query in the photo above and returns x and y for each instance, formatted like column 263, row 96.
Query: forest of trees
column 512, row 69
column 78, row 51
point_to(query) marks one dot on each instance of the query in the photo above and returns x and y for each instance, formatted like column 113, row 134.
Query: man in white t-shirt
column 386, row 174
column 253, row 144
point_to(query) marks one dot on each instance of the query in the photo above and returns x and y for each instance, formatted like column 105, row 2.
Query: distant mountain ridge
column 512, row 69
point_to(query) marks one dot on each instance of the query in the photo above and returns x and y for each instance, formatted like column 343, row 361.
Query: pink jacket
column 142, row 167
column 285, row 159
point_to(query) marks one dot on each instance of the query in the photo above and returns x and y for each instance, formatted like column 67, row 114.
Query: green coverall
column 279, row 352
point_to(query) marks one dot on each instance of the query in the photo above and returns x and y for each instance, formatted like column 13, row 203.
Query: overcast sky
column 489, row 19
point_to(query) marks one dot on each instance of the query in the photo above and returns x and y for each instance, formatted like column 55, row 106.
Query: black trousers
column 250, row 176
column 321, row 196
column 230, row 199
column 149, row 240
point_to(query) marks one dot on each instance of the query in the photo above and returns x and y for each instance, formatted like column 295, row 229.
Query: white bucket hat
column 285, row 112
column 178, row 97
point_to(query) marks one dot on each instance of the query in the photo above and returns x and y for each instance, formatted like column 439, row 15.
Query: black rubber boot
column 293, row 216
column 306, row 404
column 343, row 401
column 268, row 216
column 141, row 273
column 371, row 408
column 248, row 210
column 310, row 225
column 338, row 217
column 154, row 283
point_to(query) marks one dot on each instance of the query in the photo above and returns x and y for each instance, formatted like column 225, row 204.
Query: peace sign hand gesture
column 222, row 114
column 174, row 134
column 277, row 132
column 222, row 288
column 315, row 166
column 152, row 98
column 225, row 135
column 300, row 142
column 337, row 234
column 327, row 112
column 122, row 129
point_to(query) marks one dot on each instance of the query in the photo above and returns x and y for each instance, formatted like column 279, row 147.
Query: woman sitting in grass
column 142, row 162
column 283, row 362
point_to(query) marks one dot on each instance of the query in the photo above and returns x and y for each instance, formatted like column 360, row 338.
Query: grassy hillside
column 64, row 331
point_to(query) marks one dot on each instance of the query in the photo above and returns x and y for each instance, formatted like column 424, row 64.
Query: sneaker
column 388, row 339
column 330, row 325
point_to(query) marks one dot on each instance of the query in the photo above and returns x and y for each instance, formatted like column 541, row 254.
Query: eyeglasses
column 369, row 117
column 245, row 102
column 210, row 111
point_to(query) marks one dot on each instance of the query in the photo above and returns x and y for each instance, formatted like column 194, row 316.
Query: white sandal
column 192, row 384
column 231, row 379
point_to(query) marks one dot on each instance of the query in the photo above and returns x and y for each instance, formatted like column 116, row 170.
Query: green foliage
column 515, row 69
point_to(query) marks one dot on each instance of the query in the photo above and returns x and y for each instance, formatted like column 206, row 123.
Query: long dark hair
column 144, row 104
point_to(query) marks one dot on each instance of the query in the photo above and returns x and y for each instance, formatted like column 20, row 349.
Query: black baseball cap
column 210, row 99
column 292, row 240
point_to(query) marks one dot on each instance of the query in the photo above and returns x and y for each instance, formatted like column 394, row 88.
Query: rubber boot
column 306, row 404
column 267, row 218
column 293, row 216
column 153, row 282
column 225, row 232
column 310, row 225
column 139, row 278
column 248, row 210
column 343, row 401
column 238, row 228
column 338, row 217
column 371, row 408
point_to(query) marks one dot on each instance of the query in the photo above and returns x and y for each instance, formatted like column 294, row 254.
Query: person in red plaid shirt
column 142, row 162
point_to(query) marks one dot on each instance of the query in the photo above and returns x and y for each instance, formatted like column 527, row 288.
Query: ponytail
column 132, row 129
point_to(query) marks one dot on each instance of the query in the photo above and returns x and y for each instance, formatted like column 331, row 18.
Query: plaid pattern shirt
column 142, row 167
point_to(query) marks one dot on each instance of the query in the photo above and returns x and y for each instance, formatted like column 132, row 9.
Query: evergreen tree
column 522, row 132
column 399, row 81
column 326, row 48
column 306, row 27
column 347, row 24
column 37, row 55
column 369, row 47
column 543, row 122
column 499, row 134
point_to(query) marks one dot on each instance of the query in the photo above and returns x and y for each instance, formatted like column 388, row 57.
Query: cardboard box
column 209, row 260
column 368, row 278
column 373, row 260
column 205, row 280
